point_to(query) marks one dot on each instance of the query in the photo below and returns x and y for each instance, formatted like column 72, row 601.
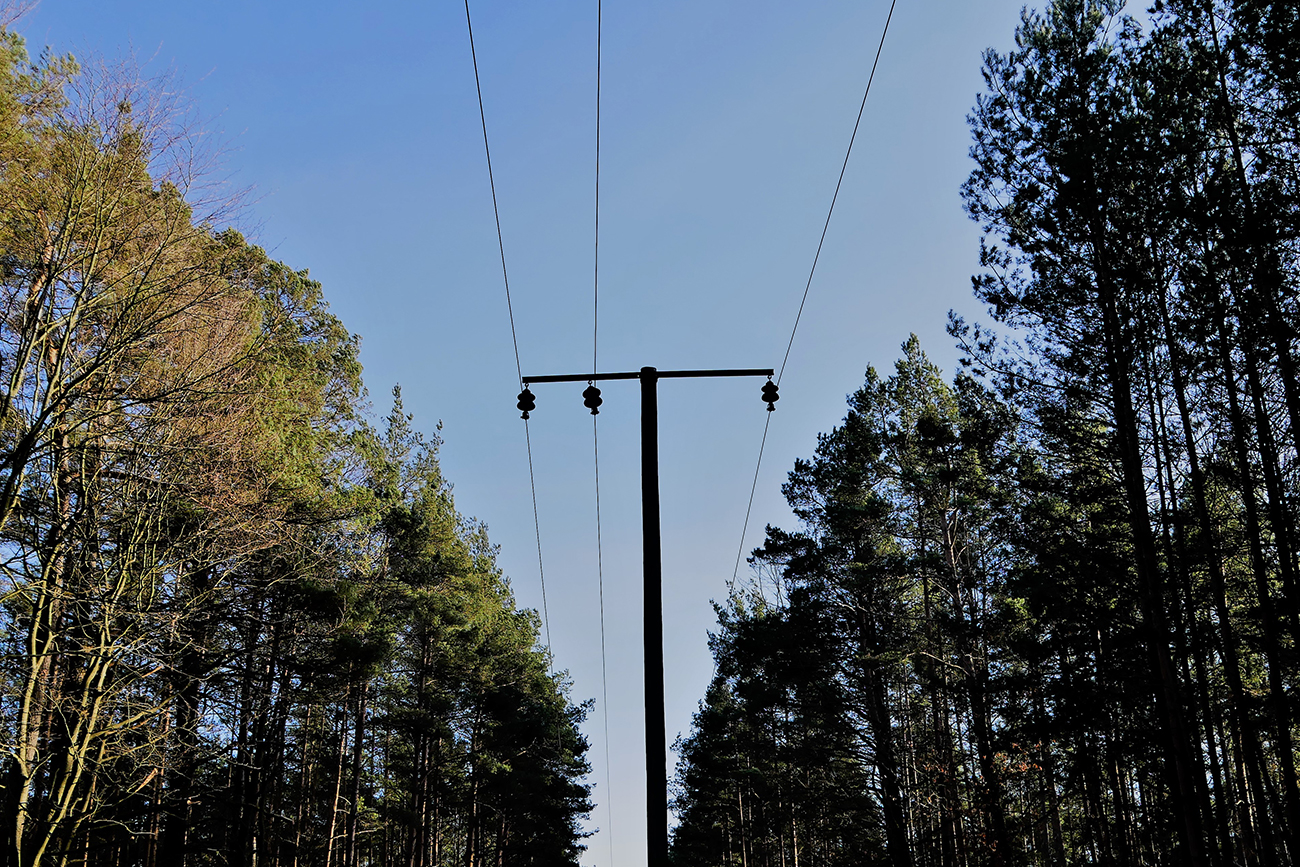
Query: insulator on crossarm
column 770, row 395
column 591, row 399
column 526, row 402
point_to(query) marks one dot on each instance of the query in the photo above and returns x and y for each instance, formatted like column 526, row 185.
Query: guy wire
column 595, row 448
column 514, row 339
column 807, row 286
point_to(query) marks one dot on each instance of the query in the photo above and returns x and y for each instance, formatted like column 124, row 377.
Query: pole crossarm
column 661, row 374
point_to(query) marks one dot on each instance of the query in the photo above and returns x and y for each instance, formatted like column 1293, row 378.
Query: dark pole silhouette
column 656, row 756
column 656, row 736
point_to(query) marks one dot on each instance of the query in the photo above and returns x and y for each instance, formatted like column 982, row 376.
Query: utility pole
column 656, row 751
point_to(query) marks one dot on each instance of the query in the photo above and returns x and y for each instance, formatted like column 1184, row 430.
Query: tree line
column 240, row 624
column 1046, row 612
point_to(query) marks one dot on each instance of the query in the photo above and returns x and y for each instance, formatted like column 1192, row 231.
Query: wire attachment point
column 591, row 399
column 527, row 403
column 770, row 394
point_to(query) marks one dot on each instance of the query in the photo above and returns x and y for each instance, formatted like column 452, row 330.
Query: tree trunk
column 1213, row 558
column 339, row 755
column 1167, row 691
column 358, row 743
column 1272, row 653
column 882, row 736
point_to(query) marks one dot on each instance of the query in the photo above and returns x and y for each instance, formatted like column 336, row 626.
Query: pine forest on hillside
column 1042, row 612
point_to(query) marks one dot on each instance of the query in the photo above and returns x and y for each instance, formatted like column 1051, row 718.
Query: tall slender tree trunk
column 1280, row 521
column 1278, row 703
column 1258, row 245
column 358, row 744
column 39, row 683
column 1212, row 556
column 339, row 755
column 1168, row 694
column 1186, row 624
column 1047, row 760
column 882, row 736
column 304, row 785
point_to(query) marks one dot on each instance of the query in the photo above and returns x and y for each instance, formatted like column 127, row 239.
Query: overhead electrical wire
column 595, row 346
column 731, row 585
column 537, row 529
column 514, row 338
column 808, row 285
column 595, row 450
column 604, row 681
column 505, row 277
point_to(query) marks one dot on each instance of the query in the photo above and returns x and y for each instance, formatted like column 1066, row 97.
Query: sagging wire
column 514, row 338
column 592, row 395
column 807, row 286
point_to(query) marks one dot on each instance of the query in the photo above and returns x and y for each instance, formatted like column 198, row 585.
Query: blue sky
column 724, row 124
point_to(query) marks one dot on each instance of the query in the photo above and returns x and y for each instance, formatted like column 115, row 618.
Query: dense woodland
column 1046, row 612
column 239, row 624
column 1041, row 613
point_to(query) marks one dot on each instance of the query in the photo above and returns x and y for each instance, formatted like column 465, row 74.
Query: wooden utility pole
column 656, row 737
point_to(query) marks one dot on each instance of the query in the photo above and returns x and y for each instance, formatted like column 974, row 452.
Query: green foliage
column 239, row 624
column 1063, row 606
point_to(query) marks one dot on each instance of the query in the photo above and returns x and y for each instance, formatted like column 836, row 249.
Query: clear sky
column 724, row 124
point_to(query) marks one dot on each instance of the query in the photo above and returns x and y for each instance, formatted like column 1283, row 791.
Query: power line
column 604, row 682
column 740, row 551
column 595, row 448
column 813, row 270
column 537, row 528
column 838, row 183
column 514, row 338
